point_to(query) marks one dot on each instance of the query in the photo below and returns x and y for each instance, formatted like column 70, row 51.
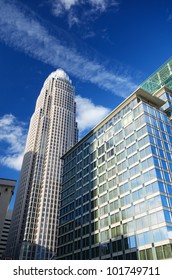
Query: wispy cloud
column 169, row 17
column 60, row 6
column 89, row 8
column 12, row 137
column 89, row 114
column 96, row 5
column 169, row 14
column 23, row 31
column 101, row 5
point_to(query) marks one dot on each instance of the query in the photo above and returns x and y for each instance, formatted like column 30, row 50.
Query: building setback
column 116, row 200
column 53, row 130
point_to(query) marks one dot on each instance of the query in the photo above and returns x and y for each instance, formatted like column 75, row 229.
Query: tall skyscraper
column 116, row 200
column 53, row 130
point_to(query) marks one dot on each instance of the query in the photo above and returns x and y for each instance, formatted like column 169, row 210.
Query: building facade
column 53, row 130
column 5, row 232
column 6, row 192
column 116, row 200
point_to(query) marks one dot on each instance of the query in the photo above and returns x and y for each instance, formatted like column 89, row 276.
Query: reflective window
column 147, row 163
column 124, row 188
column 153, row 188
column 140, row 121
column 119, row 147
column 138, row 194
column 122, row 166
column 154, row 202
column 164, row 200
column 156, row 218
column 131, row 149
column 110, row 153
column 140, row 208
column 103, row 199
column 121, row 156
column 143, row 238
column 115, row 232
column 136, row 182
column 142, row 142
column 103, row 188
column 129, row 129
column 109, row 144
column 142, row 131
column 159, row 252
column 113, row 193
column 160, row 234
column 169, row 156
column 114, row 205
column 112, row 183
column 123, row 177
column 128, row 213
column 127, row 119
column 167, row 177
column 117, row 126
column 114, row 218
column 130, row 139
column 145, row 152
column 161, row 153
column 125, row 200
column 142, row 223
column 104, row 222
column 104, row 235
column 132, row 241
column 149, row 175
column 167, row 215
column 101, row 150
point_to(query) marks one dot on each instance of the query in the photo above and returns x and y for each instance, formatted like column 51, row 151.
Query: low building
column 5, row 232
column 6, row 192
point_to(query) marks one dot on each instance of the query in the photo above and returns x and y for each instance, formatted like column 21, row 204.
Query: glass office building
column 116, row 200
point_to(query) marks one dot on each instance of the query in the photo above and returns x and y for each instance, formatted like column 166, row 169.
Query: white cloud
column 89, row 114
column 12, row 161
column 21, row 30
column 13, row 133
column 12, row 137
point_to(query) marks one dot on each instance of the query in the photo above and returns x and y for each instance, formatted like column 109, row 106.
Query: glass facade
column 162, row 77
column 116, row 199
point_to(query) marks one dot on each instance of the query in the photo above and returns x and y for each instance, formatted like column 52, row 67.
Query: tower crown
column 60, row 73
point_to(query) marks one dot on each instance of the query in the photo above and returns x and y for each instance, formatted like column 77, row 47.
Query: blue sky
column 108, row 47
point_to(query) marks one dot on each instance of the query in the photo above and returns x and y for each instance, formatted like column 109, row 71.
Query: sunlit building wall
column 116, row 200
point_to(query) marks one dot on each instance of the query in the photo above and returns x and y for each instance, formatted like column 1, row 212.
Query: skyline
column 35, row 39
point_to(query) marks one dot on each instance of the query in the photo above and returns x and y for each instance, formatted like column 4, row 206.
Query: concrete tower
column 53, row 130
